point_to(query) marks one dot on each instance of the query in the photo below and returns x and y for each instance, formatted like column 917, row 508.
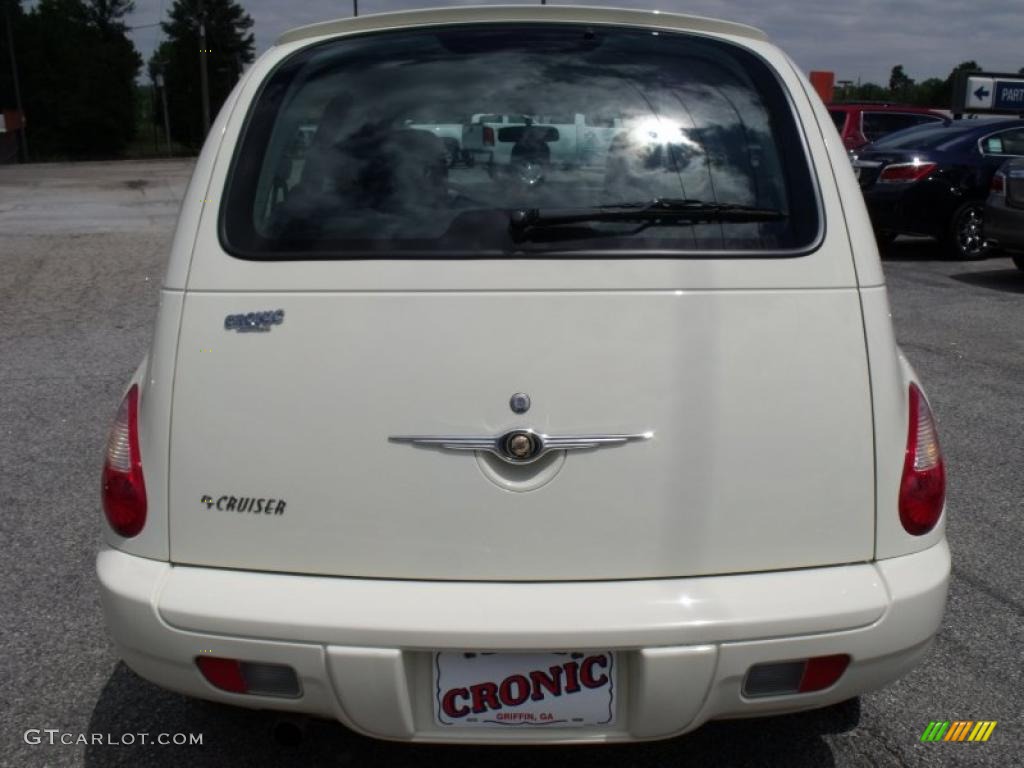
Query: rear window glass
column 839, row 118
column 437, row 142
column 1004, row 143
column 878, row 124
column 923, row 137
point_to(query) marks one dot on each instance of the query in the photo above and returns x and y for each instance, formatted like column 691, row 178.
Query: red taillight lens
column 998, row 184
column 822, row 671
column 488, row 136
column 923, row 486
column 225, row 674
column 905, row 172
column 124, row 490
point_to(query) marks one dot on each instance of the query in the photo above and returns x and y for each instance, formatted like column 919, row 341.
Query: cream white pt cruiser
column 579, row 446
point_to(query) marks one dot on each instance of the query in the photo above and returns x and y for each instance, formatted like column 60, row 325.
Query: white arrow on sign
column 980, row 92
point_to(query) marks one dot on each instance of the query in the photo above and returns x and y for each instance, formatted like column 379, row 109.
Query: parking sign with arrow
column 979, row 92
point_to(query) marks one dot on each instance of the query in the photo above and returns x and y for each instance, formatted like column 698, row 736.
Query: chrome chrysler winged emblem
column 519, row 446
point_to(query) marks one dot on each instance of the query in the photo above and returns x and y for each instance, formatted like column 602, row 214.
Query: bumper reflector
column 822, row 671
column 788, row 677
column 773, row 679
column 249, row 677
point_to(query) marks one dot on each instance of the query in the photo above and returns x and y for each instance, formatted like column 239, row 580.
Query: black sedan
column 1004, row 211
column 933, row 180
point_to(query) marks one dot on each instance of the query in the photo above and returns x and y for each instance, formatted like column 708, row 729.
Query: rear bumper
column 885, row 207
column 1004, row 225
column 362, row 648
column 924, row 208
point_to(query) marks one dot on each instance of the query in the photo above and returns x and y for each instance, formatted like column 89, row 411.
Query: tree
column 109, row 14
column 868, row 92
column 899, row 83
column 78, row 73
column 947, row 86
column 930, row 93
column 229, row 42
column 9, row 9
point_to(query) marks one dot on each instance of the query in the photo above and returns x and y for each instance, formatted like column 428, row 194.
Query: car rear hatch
column 744, row 378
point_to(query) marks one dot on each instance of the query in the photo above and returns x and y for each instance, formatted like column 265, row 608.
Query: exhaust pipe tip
column 288, row 731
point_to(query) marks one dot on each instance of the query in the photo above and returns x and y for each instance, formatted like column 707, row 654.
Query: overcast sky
column 853, row 38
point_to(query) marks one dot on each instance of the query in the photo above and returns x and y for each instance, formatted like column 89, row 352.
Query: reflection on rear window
column 427, row 143
column 922, row 137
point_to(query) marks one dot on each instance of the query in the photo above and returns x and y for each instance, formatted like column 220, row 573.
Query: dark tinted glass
column 879, row 124
column 922, row 137
column 425, row 143
column 1004, row 143
column 839, row 118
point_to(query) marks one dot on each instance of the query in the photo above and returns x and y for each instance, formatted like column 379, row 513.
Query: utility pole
column 17, row 85
column 355, row 7
column 204, row 82
column 161, row 83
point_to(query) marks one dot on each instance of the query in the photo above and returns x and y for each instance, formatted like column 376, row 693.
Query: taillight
column 923, row 486
column 488, row 136
column 124, row 490
column 998, row 185
column 901, row 173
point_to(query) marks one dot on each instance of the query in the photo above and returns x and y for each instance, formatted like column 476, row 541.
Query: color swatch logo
column 958, row 730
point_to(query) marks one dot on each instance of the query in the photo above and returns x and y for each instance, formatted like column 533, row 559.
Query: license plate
column 524, row 690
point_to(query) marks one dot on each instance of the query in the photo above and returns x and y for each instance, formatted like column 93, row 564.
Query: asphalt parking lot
column 81, row 258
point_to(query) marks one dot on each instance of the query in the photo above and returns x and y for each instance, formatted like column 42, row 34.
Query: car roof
column 944, row 133
column 981, row 125
column 885, row 106
column 521, row 13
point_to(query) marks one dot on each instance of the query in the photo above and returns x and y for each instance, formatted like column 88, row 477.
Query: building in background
column 825, row 84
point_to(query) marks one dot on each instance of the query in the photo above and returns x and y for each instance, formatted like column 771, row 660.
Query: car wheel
column 1018, row 261
column 966, row 238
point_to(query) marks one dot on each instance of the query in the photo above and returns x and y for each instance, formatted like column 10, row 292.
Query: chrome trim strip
column 497, row 445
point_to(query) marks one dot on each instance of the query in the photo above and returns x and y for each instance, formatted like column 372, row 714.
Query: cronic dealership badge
column 260, row 322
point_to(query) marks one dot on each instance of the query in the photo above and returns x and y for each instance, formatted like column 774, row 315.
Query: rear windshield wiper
column 658, row 212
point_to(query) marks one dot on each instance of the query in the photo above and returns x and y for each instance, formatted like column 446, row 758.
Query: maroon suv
column 864, row 122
